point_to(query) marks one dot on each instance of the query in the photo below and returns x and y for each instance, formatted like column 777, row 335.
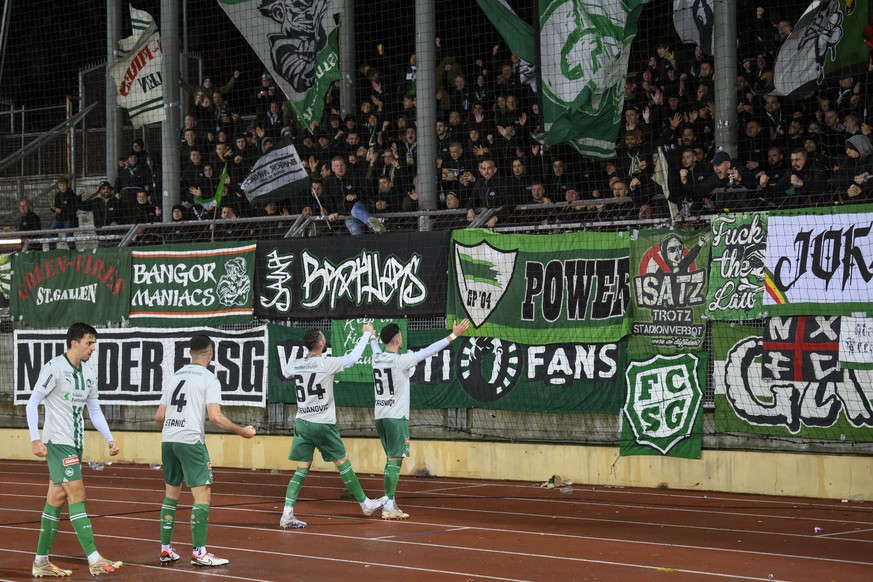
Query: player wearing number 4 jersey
column 391, row 373
column 191, row 394
column 65, row 386
column 315, row 424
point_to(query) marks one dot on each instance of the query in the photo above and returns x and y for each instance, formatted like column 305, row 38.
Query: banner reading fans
column 836, row 407
column 669, row 287
column 61, row 287
column 298, row 45
column 137, row 71
column 395, row 275
column 206, row 284
column 483, row 373
column 277, row 175
column 541, row 289
column 133, row 365
column 736, row 276
column 819, row 262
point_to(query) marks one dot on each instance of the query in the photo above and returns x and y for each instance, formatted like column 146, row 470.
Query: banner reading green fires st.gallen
column 540, row 289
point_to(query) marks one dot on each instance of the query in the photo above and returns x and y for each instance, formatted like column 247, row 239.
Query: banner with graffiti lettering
column 819, row 262
column 736, row 274
column 486, row 373
column 58, row 288
column 837, row 406
column 395, row 275
column 663, row 409
column 137, row 71
column 669, row 281
column 541, row 288
column 134, row 364
column 202, row 284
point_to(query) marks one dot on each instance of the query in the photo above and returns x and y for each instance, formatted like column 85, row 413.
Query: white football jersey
column 186, row 395
column 66, row 391
column 313, row 383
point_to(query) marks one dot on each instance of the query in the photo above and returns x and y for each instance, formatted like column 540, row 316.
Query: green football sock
column 48, row 530
column 392, row 476
column 168, row 519
column 82, row 526
column 199, row 524
column 351, row 481
column 294, row 486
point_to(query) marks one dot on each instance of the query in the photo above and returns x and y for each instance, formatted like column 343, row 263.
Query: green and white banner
column 59, row 288
column 345, row 333
column 736, row 274
column 195, row 284
column 819, row 262
column 137, row 71
column 663, row 410
column 669, row 282
column 297, row 44
column 489, row 373
column 836, row 408
column 540, row 289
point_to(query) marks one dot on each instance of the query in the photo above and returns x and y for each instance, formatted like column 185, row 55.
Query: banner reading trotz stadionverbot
column 137, row 71
column 297, row 43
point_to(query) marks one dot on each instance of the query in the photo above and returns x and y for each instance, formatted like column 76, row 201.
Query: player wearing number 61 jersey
column 391, row 373
column 315, row 424
column 192, row 394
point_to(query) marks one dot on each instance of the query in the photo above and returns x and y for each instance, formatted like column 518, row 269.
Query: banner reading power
column 203, row 284
column 669, row 287
column 819, row 262
column 541, row 289
column 58, row 288
column 736, row 277
column 134, row 364
column 832, row 404
column 485, row 373
column 394, row 275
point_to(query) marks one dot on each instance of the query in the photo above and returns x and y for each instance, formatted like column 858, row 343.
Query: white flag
column 279, row 174
column 137, row 71
column 693, row 21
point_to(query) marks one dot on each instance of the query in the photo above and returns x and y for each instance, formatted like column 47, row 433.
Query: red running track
column 458, row 530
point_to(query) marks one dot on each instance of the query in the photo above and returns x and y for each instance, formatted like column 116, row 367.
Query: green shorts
column 309, row 436
column 64, row 463
column 188, row 462
column 394, row 434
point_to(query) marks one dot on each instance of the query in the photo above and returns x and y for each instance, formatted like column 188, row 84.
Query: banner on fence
column 856, row 343
column 819, row 263
column 745, row 402
column 670, row 273
column 541, row 289
column 396, row 275
column 5, row 278
column 58, row 288
column 202, row 284
column 663, row 410
column 736, row 274
column 484, row 373
column 345, row 333
column 133, row 364
column 801, row 349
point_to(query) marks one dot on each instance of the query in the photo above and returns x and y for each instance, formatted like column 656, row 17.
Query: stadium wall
column 789, row 474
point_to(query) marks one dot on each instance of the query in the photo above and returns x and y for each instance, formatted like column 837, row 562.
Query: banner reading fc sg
column 536, row 289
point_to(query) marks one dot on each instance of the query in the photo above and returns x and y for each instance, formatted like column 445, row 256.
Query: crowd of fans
column 807, row 151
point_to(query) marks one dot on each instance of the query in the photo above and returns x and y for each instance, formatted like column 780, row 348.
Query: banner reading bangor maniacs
column 395, row 275
column 203, row 284
column 541, row 289
column 736, row 276
column 133, row 365
column 836, row 406
column 297, row 43
column 58, row 288
column 137, row 71
column 819, row 262
column 487, row 373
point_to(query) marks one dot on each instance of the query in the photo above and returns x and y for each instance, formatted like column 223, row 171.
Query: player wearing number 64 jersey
column 192, row 394
column 391, row 373
column 315, row 424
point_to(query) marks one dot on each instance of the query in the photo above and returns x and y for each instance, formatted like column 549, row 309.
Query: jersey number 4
column 380, row 382
column 312, row 389
column 178, row 400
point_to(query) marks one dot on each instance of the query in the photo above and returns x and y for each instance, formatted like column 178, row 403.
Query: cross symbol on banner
column 803, row 355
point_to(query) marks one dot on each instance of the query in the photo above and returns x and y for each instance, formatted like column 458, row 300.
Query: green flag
column 214, row 200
